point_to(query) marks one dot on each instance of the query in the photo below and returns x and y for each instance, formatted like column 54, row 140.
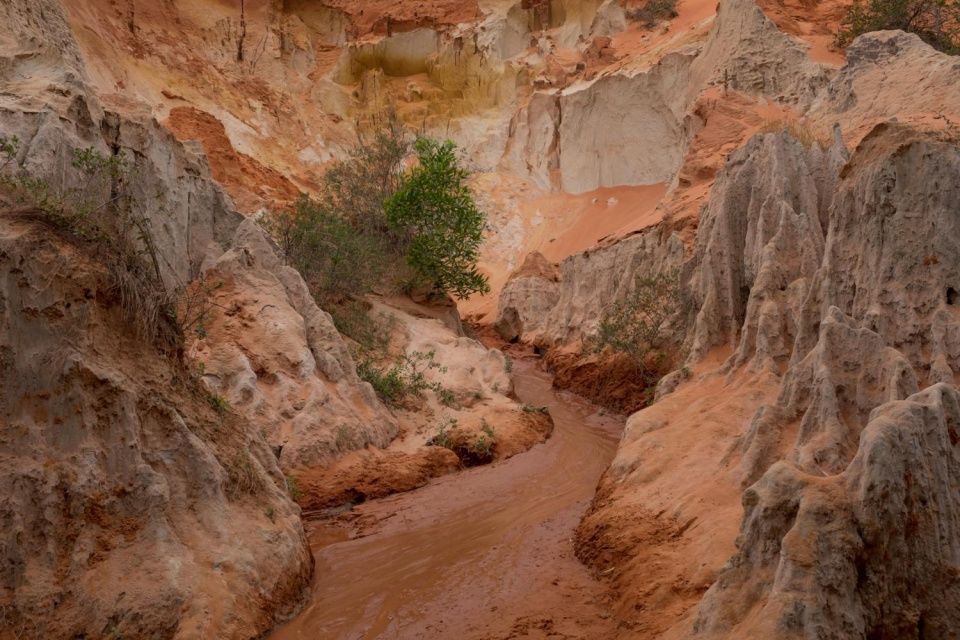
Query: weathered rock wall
column 115, row 462
column 114, row 465
column 830, row 275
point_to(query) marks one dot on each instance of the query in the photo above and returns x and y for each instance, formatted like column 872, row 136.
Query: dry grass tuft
column 801, row 131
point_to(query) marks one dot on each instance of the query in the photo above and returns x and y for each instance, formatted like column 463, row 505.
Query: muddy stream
column 485, row 553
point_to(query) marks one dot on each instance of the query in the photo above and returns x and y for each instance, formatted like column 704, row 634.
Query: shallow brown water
column 486, row 553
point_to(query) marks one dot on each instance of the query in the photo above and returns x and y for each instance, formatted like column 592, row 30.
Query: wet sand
column 482, row 554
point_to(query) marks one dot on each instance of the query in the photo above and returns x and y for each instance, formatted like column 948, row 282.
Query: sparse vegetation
column 244, row 477
column 937, row 22
column 340, row 241
column 653, row 11
column 103, row 216
column 645, row 324
column 372, row 226
column 337, row 261
column 218, row 403
column 483, row 446
column 486, row 428
column 442, row 437
column 529, row 408
column 371, row 332
column 293, row 489
column 507, row 364
column 403, row 380
column 471, row 449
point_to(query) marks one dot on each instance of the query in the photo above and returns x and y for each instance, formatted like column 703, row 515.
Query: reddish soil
column 250, row 184
column 611, row 381
column 482, row 554
column 373, row 473
column 815, row 21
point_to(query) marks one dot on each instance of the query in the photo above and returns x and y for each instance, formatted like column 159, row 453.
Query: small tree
column 435, row 209
column 644, row 324
column 937, row 22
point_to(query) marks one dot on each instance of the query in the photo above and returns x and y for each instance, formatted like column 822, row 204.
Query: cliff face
column 808, row 202
column 131, row 506
column 823, row 277
column 869, row 457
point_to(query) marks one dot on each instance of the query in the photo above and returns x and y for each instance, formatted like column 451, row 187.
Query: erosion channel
column 486, row 553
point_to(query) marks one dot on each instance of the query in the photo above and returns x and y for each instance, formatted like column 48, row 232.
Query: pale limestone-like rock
column 833, row 275
column 567, row 309
column 527, row 299
column 869, row 552
column 759, row 242
column 129, row 506
column 278, row 359
column 877, row 320
column 890, row 74
column 746, row 52
column 623, row 129
column 610, row 20
column 591, row 281
column 46, row 104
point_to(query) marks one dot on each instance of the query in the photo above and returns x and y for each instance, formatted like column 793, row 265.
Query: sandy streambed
column 486, row 553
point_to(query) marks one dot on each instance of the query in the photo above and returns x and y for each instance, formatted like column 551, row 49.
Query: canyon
column 793, row 472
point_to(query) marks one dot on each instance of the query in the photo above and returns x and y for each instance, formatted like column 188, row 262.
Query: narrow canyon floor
column 482, row 554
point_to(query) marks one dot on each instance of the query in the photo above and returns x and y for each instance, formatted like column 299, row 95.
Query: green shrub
column 340, row 241
column 644, row 325
column 486, row 428
column 435, row 209
column 937, row 22
column 358, row 186
column 442, row 437
column 371, row 333
column 471, row 450
column 483, row 446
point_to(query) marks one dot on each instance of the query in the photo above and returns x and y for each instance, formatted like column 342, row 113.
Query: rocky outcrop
column 890, row 74
column 760, row 240
column 601, row 133
column 869, row 552
column 824, row 279
column 118, row 463
column 746, row 52
column 528, row 299
column 278, row 359
column 608, row 130
column 130, row 506
column 564, row 312
column 871, row 457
